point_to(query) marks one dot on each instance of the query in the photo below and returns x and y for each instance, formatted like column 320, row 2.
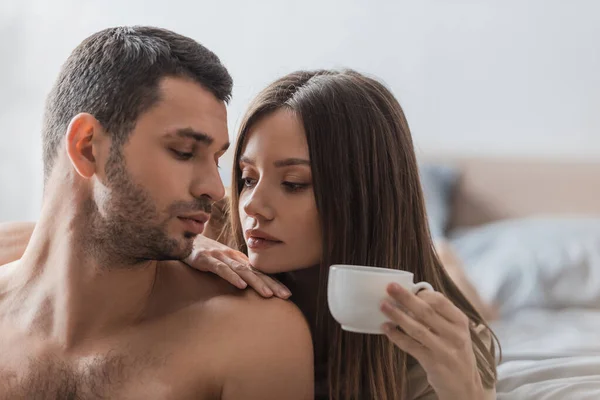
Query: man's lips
column 194, row 223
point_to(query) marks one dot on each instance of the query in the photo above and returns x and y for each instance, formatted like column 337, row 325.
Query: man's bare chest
column 50, row 377
column 107, row 375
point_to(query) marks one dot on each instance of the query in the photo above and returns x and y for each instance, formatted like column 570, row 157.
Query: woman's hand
column 436, row 333
column 233, row 266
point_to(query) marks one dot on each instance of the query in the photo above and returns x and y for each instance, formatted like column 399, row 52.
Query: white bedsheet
column 549, row 355
column 551, row 379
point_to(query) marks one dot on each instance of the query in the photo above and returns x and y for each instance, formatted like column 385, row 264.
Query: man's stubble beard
column 124, row 226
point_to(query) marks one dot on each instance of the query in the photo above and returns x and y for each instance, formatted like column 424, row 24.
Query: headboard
column 491, row 189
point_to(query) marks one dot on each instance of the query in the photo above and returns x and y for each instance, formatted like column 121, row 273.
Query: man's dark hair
column 114, row 75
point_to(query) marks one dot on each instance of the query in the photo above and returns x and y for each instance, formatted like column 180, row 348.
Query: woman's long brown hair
column 369, row 199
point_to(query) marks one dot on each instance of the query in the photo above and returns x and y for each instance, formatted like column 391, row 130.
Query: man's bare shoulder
column 14, row 237
column 273, row 350
column 202, row 298
column 262, row 347
column 250, row 314
column 10, row 228
column 206, row 294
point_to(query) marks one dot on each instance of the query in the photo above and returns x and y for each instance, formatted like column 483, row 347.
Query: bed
column 528, row 232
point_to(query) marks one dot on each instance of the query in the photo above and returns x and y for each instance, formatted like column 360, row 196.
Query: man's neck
column 62, row 291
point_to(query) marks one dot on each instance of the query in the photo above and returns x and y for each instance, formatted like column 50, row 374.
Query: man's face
column 159, row 186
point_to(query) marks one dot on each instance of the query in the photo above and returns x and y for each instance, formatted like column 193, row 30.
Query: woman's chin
column 269, row 265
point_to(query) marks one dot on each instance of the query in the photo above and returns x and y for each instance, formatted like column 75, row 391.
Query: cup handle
column 421, row 286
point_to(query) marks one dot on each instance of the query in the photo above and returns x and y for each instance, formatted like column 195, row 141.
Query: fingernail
column 394, row 287
column 386, row 306
column 242, row 284
column 267, row 291
column 285, row 293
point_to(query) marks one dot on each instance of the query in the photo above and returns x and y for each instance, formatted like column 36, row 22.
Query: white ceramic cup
column 354, row 295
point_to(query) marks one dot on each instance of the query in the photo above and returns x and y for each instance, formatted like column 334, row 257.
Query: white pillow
column 549, row 262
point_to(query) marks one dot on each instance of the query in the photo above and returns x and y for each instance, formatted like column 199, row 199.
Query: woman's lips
column 256, row 243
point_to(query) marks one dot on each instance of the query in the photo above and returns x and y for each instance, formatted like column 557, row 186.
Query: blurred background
column 503, row 100
column 486, row 78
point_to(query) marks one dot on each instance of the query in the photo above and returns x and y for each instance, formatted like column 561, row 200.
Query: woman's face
column 277, row 208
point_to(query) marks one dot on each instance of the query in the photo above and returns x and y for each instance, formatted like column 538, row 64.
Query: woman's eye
column 182, row 155
column 294, row 187
column 248, row 182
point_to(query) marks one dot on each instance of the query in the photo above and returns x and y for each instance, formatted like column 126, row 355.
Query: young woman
column 325, row 173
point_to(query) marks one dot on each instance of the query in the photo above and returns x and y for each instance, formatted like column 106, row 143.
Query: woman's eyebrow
column 291, row 161
column 246, row 160
column 279, row 163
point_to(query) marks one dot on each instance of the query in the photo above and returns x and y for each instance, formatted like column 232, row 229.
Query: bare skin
column 85, row 316
column 14, row 237
column 454, row 268
column 190, row 336
column 228, row 263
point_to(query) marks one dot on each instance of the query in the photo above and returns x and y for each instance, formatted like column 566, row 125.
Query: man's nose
column 209, row 184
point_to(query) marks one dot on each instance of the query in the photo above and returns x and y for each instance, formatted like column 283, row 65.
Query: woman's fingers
column 420, row 309
column 429, row 327
column 245, row 270
column 224, row 270
column 238, row 256
column 406, row 343
column 277, row 287
column 246, row 274
column 263, row 284
column 412, row 327
column 443, row 306
column 233, row 266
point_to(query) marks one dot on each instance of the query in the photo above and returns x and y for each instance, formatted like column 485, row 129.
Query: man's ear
column 80, row 143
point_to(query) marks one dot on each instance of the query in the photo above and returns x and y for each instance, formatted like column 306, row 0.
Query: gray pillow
column 438, row 182
column 549, row 262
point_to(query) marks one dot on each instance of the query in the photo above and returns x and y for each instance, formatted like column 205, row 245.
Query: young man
column 99, row 305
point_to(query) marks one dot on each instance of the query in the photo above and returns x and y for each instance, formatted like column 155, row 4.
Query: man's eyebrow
column 200, row 137
column 225, row 147
column 280, row 163
column 192, row 134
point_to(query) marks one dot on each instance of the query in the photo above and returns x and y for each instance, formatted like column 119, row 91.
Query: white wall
column 492, row 77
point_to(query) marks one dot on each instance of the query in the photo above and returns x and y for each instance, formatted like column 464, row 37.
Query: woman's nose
column 257, row 204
